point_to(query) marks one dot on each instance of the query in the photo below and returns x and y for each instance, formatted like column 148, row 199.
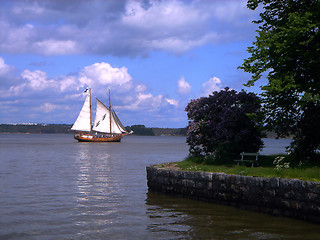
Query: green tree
column 223, row 125
column 287, row 49
column 140, row 130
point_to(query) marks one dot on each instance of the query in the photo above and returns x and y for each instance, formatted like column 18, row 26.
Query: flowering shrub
column 224, row 124
column 280, row 164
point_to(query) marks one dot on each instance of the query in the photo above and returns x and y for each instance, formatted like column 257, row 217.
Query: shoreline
column 276, row 196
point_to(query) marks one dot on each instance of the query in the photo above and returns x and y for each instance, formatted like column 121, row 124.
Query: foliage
column 140, row 130
column 306, row 142
column 265, row 169
column 287, row 49
column 35, row 128
column 223, row 125
column 170, row 131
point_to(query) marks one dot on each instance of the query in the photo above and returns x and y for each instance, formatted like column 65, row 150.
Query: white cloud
column 15, row 90
column 31, row 9
column 230, row 11
column 17, row 39
column 68, row 83
column 122, row 28
column 98, row 76
column 172, row 26
column 57, row 47
column 179, row 46
column 4, row 68
column 172, row 14
column 47, row 107
column 35, row 86
column 183, row 86
column 37, row 80
column 173, row 102
column 148, row 102
column 32, row 81
column 213, row 84
column 141, row 88
column 104, row 74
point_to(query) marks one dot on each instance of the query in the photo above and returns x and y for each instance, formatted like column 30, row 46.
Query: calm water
column 52, row 187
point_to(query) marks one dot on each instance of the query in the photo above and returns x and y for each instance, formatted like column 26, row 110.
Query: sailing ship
column 107, row 127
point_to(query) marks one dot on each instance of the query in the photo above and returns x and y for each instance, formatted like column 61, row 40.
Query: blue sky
column 154, row 55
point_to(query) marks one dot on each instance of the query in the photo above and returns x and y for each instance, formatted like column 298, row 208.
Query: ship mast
column 90, row 113
column 110, row 110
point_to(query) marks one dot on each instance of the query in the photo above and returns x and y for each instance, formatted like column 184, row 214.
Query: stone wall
column 277, row 196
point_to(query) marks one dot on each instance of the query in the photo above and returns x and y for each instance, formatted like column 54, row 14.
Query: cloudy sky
column 154, row 55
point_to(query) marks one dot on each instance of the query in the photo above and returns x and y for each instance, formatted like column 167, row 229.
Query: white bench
column 248, row 158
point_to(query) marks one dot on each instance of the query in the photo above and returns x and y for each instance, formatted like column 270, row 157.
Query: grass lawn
column 266, row 169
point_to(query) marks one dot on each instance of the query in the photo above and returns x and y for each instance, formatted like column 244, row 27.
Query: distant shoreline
column 34, row 128
column 139, row 130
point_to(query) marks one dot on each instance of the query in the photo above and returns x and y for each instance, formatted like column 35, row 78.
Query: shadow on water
column 190, row 219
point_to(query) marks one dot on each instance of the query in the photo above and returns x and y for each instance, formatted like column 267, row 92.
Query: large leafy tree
column 223, row 125
column 287, row 49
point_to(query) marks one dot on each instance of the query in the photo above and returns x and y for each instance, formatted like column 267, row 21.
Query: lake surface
column 52, row 187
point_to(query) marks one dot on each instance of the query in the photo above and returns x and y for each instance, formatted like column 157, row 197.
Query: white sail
column 119, row 123
column 83, row 121
column 102, row 120
column 114, row 126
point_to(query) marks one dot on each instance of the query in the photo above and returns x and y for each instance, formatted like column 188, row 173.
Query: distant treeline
column 35, row 128
column 65, row 128
column 144, row 131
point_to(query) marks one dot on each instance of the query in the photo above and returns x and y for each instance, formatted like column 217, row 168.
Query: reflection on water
column 83, row 162
column 95, row 197
column 93, row 172
column 52, row 187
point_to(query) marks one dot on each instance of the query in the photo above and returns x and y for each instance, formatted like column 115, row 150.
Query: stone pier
column 277, row 196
